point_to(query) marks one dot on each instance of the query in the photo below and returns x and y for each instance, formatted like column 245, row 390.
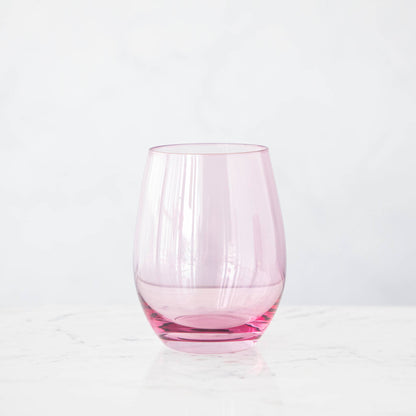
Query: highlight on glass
column 209, row 255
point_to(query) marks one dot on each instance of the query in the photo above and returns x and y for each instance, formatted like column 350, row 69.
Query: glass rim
column 222, row 148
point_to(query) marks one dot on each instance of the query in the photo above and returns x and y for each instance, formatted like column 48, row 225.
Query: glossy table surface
column 66, row 360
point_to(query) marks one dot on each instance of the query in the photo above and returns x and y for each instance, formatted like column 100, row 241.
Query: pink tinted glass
column 209, row 257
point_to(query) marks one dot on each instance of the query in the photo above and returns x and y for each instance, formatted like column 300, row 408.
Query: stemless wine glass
column 209, row 256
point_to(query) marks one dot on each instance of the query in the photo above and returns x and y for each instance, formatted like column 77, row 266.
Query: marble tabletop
column 85, row 360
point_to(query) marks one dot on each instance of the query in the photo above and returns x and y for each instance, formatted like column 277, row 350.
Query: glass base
column 216, row 347
column 208, row 333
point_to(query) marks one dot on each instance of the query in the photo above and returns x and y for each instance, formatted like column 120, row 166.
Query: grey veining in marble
column 106, row 360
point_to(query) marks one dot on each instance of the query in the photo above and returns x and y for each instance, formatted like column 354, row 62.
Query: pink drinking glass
column 209, row 256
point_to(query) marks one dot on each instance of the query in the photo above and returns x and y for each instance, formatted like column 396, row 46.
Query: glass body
column 209, row 256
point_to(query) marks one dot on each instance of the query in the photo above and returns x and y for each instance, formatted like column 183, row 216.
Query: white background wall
column 87, row 86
